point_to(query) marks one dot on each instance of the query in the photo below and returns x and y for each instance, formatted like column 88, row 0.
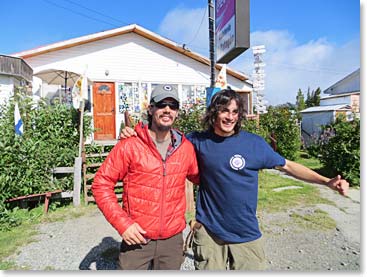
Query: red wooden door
column 104, row 111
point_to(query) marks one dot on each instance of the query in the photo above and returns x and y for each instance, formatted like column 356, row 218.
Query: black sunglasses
column 172, row 105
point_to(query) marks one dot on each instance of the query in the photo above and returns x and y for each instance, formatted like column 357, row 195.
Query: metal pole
column 211, row 42
column 66, row 81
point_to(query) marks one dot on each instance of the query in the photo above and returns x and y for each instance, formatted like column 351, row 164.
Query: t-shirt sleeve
column 271, row 158
column 191, row 137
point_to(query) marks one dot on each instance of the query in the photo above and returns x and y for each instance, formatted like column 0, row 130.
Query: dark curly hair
column 219, row 101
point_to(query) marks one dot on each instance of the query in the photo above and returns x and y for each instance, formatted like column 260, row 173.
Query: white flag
column 221, row 81
column 18, row 123
column 77, row 93
column 80, row 89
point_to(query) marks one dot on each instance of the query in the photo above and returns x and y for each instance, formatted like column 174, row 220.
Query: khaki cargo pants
column 211, row 253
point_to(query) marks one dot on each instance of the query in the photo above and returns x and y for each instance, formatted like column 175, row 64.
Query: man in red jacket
column 153, row 167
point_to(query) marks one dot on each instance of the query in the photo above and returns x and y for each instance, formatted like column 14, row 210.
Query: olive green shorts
column 211, row 253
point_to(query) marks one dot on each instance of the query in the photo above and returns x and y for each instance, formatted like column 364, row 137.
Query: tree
column 308, row 99
column 313, row 98
column 316, row 97
column 300, row 103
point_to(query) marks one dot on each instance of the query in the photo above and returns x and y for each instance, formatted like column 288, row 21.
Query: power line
column 201, row 23
column 81, row 14
column 97, row 12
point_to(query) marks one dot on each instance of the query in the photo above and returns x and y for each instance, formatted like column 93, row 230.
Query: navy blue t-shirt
column 227, row 197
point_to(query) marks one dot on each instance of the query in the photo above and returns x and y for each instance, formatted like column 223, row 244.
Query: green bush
column 283, row 124
column 253, row 126
column 338, row 148
column 50, row 139
column 189, row 120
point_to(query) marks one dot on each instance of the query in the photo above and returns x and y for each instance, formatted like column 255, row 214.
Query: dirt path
column 89, row 242
column 290, row 247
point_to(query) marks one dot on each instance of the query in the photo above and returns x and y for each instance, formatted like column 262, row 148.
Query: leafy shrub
column 338, row 148
column 189, row 120
column 283, row 124
column 253, row 126
column 50, row 139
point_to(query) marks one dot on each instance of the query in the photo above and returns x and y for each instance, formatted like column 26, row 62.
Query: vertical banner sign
column 232, row 29
column 225, row 26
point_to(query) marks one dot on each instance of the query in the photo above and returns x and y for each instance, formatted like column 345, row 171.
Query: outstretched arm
column 304, row 173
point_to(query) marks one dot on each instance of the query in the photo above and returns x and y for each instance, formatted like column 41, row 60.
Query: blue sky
column 309, row 43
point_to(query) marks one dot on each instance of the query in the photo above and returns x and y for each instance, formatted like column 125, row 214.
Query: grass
column 318, row 220
column 189, row 216
column 271, row 201
column 308, row 161
column 11, row 240
column 313, row 163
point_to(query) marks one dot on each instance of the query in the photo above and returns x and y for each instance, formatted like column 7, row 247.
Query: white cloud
column 189, row 26
column 290, row 65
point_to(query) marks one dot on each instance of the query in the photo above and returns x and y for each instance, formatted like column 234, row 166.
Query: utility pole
column 211, row 42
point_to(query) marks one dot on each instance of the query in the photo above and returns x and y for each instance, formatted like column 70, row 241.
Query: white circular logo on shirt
column 237, row 162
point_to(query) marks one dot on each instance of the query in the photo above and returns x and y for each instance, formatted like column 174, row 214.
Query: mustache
column 165, row 115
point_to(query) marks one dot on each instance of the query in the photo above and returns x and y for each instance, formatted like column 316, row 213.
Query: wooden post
column 190, row 203
column 81, row 109
column 77, row 181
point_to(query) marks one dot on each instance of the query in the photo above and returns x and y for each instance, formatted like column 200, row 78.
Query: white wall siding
column 7, row 84
column 350, row 83
column 130, row 58
column 312, row 122
column 336, row 100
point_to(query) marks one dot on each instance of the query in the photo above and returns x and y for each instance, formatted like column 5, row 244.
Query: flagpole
column 81, row 127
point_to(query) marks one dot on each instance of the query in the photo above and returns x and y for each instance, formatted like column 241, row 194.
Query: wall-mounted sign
column 232, row 28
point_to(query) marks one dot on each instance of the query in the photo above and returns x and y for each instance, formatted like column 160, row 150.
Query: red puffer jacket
column 154, row 190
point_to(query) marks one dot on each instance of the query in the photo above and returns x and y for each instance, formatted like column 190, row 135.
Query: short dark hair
column 219, row 101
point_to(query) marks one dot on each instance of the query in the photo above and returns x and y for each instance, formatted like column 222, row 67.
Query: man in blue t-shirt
column 226, row 229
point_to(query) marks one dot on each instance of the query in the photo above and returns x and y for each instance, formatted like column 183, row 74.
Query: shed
column 314, row 118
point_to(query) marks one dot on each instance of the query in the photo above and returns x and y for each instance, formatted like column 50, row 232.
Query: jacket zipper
column 128, row 202
column 163, row 194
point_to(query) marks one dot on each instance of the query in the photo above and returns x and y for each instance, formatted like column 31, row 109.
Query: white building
column 343, row 98
column 123, row 65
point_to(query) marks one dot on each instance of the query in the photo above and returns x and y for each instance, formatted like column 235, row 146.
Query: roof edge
column 120, row 31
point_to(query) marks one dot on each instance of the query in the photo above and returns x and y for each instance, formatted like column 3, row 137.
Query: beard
column 162, row 128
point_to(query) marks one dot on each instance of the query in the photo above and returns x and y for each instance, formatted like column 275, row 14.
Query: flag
column 18, row 123
column 80, row 89
column 77, row 92
column 221, row 81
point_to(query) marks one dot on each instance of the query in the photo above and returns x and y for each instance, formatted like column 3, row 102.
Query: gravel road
column 89, row 242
